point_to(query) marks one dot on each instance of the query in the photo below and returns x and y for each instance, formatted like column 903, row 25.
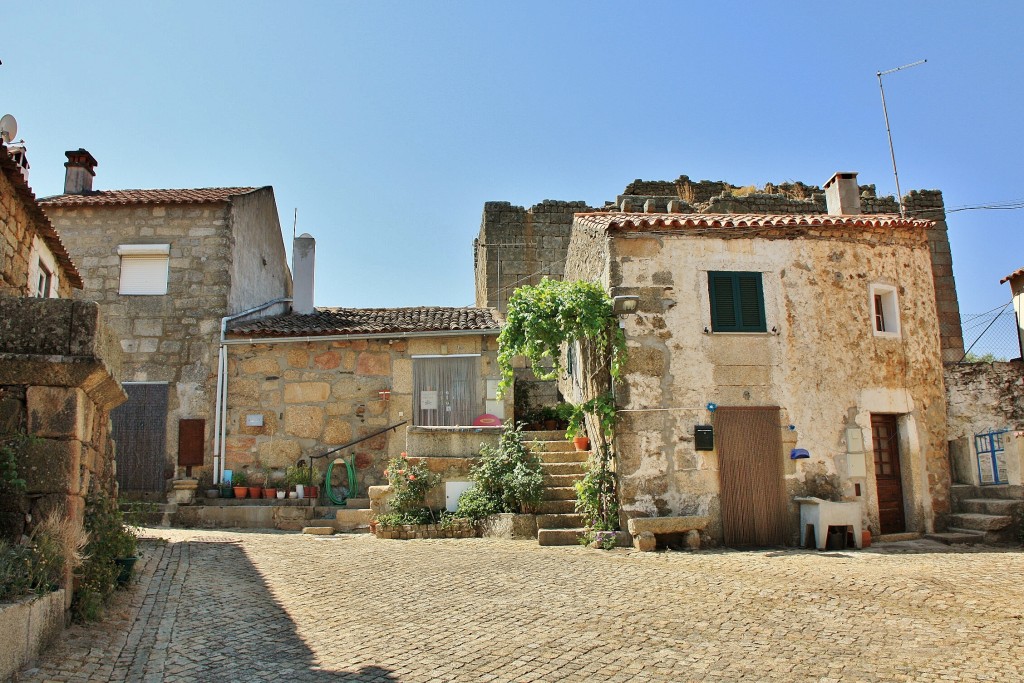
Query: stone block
column 243, row 393
column 306, row 392
column 59, row 413
column 666, row 525
column 373, row 364
column 298, row 358
column 401, row 376
column 269, row 427
column 693, row 539
column 148, row 327
column 337, row 432
column 279, row 452
column 304, row 421
column 328, row 360
column 51, row 466
column 261, row 365
column 645, row 542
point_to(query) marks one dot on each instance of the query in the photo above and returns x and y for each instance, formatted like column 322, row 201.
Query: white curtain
column 445, row 391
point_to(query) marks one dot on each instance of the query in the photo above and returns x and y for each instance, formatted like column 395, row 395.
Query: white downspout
column 221, row 418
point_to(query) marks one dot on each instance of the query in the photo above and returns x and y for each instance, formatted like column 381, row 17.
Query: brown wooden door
column 750, row 475
column 885, row 439
column 139, row 428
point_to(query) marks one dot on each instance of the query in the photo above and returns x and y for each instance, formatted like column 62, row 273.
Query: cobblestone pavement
column 244, row 606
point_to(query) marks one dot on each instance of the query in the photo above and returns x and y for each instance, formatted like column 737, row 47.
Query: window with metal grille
column 737, row 302
column 144, row 268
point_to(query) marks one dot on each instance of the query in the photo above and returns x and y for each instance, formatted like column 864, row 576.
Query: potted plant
column 256, row 482
column 268, row 490
column 575, row 430
column 240, row 483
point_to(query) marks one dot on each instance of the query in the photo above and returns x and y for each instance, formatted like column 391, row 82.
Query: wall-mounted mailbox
column 704, row 437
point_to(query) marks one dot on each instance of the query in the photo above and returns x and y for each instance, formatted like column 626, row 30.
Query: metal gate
column 139, row 427
column 991, row 450
column 750, row 472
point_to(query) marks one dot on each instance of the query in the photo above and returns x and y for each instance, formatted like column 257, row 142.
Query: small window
column 44, row 282
column 143, row 268
column 737, row 302
column 885, row 312
column 445, row 391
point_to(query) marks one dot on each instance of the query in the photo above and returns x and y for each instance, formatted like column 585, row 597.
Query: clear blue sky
column 389, row 124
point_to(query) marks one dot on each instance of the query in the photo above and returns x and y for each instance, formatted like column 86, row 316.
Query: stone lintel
column 666, row 525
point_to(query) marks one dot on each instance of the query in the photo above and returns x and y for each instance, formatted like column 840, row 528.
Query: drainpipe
column 221, row 407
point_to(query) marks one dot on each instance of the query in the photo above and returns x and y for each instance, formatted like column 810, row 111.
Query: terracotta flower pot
column 269, row 493
column 255, row 491
column 582, row 443
column 240, row 491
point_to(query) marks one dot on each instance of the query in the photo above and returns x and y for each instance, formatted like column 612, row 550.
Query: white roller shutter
column 143, row 274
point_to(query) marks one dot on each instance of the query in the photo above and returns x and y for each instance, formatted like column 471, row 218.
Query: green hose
column 349, row 492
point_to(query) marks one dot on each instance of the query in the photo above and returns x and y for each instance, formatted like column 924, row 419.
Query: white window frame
column 890, row 310
column 154, row 256
column 42, row 263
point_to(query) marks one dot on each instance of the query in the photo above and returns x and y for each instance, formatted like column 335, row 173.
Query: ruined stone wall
column 57, row 386
column 518, row 246
column 20, row 238
column 313, row 396
column 820, row 362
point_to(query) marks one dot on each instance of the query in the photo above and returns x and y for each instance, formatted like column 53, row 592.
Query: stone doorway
column 140, row 430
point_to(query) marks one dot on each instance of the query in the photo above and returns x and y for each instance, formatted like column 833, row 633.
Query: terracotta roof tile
column 46, row 229
column 201, row 195
column 358, row 321
column 683, row 221
column 1019, row 271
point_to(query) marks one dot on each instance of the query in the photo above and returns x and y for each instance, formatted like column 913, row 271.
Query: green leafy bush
column 10, row 446
column 596, row 498
column 509, row 476
column 475, row 505
column 109, row 539
column 39, row 566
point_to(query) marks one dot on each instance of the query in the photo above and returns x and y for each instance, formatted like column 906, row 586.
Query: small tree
column 509, row 478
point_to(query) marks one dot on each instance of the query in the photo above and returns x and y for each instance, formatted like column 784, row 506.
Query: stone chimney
column 303, row 261
column 842, row 195
column 80, row 171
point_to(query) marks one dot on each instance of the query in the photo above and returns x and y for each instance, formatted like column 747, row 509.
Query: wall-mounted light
column 625, row 304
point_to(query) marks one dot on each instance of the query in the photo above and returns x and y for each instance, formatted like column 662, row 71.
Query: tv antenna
column 885, row 113
column 8, row 128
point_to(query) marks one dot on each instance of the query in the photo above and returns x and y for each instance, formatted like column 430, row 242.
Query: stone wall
column 982, row 397
column 317, row 395
column 57, row 385
column 519, row 246
column 820, row 362
column 259, row 264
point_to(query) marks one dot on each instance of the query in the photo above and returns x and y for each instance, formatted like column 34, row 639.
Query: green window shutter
column 737, row 302
column 723, row 302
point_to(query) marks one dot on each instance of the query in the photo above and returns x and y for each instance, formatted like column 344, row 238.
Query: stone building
column 412, row 379
column 57, row 366
column 809, row 343
column 167, row 266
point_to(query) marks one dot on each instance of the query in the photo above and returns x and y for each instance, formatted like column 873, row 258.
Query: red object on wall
column 487, row 420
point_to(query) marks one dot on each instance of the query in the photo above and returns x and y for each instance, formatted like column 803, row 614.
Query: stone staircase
column 354, row 517
column 983, row 514
column 557, row 521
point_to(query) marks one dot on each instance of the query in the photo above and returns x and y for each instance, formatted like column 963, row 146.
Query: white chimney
column 80, row 171
column 842, row 195
column 303, row 262
column 17, row 153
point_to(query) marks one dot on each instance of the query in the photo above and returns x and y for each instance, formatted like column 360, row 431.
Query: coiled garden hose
column 348, row 492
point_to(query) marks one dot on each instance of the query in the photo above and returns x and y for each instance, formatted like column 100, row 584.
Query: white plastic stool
column 823, row 514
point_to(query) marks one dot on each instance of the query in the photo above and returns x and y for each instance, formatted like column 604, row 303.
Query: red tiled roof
column 673, row 221
column 45, row 227
column 356, row 321
column 1019, row 271
column 201, row 195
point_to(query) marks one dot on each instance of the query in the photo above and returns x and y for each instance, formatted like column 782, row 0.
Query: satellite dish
column 8, row 127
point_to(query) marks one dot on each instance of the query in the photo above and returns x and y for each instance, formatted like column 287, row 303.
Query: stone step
column 958, row 537
column 559, row 521
column 1000, row 537
column 329, row 523
column 979, row 522
column 361, row 516
column 318, row 530
column 565, row 456
column 561, row 480
column 556, row 507
column 991, row 506
column 551, row 537
column 544, row 435
column 550, row 446
column 1004, row 491
column 357, row 503
column 559, row 493
column 576, row 468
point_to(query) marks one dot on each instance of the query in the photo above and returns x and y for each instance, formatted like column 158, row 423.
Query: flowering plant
column 410, row 481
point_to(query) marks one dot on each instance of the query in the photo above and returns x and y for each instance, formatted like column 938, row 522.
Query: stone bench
column 645, row 530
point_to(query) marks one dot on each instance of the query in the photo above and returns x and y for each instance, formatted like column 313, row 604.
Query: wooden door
column 889, row 484
column 750, row 475
column 139, row 428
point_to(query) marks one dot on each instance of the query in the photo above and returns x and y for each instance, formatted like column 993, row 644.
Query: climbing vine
column 553, row 318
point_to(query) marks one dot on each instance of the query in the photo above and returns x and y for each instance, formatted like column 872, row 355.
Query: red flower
column 385, row 473
column 412, row 477
column 405, row 456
